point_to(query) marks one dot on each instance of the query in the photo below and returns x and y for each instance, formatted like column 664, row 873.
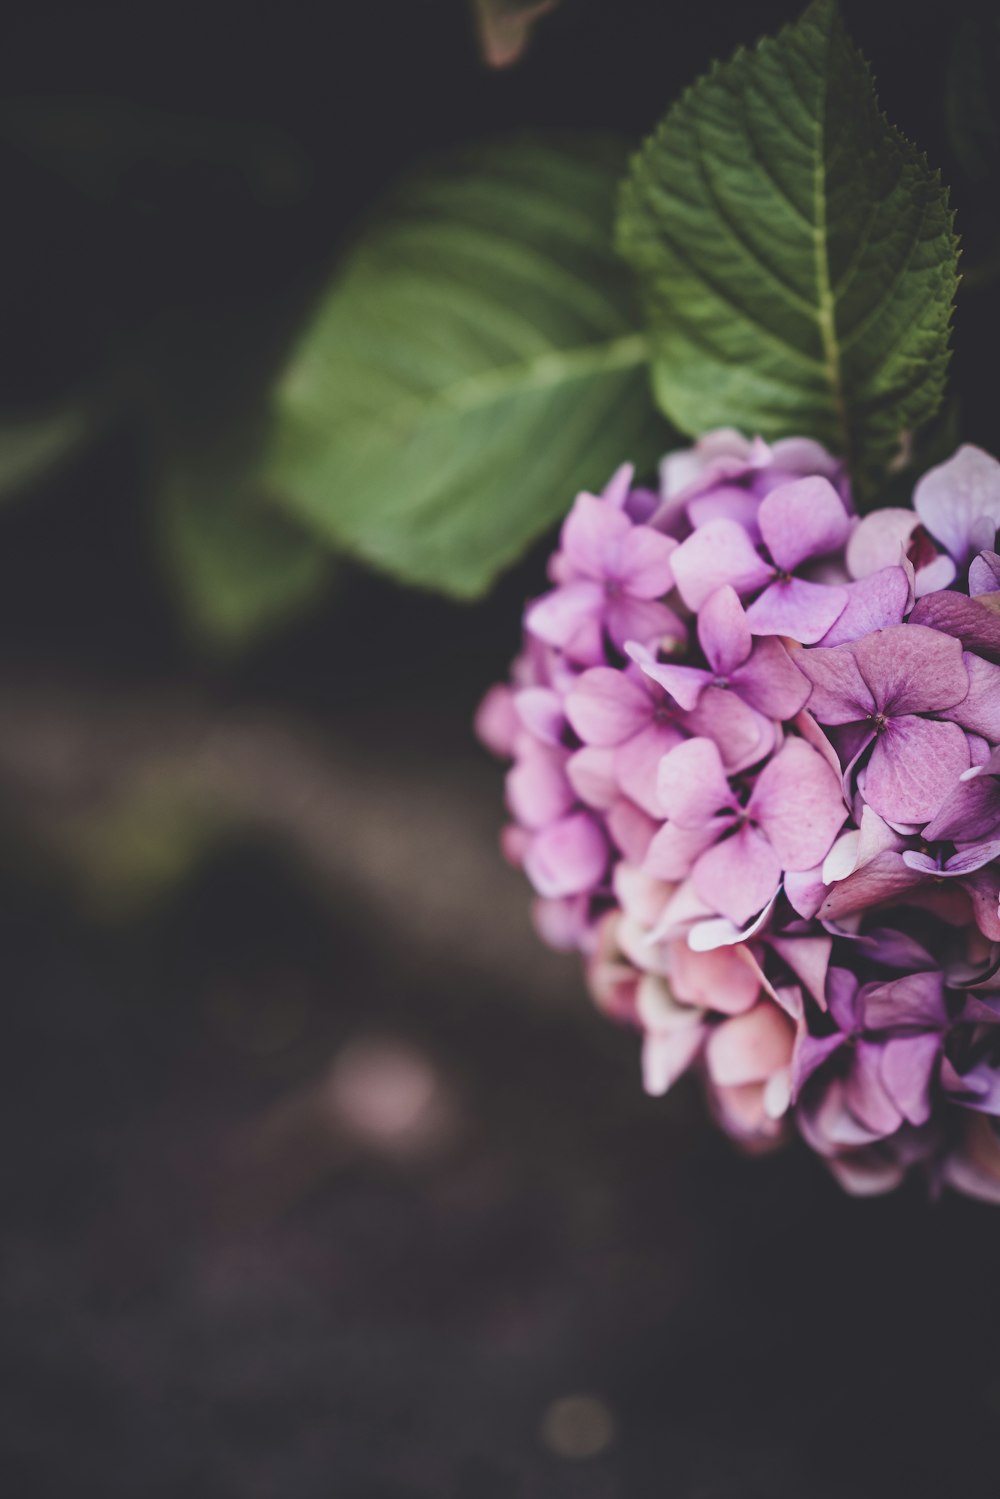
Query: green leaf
column 32, row 446
column 476, row 362
column 795, row 252
column 240, row 565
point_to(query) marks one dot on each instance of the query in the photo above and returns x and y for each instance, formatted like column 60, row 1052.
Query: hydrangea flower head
column 755, row 783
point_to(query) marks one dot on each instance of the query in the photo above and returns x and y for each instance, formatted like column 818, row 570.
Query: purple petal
column 801, row 520
column 959, row 501
column 723, row 632
column 912, row 669
column 969, row 620
column 644, row 620
column 872, row 604
column 883, row 878
column 570, row 617
column 984, row 573
column 719, row 552
column 568, row 857
column 798, row 803
column 644, row 563
column 840, row 693
column 606, row 707
column 592, row 537
column 842, row 998
column 693, row 785
column 970, row 810
column 637, row 764
column 915, row 1002
column 771, row 682
column 907, row 1069
column 914, row 765
column 866, row 1094
column 743, row 735
column 740, row 505
column 739, row 875
column 979, row 710
column 803, row 611
column 809, row 1055
column 684, row 683
column 983, row 888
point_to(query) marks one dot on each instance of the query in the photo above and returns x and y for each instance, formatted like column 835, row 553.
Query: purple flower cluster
column 755, row 781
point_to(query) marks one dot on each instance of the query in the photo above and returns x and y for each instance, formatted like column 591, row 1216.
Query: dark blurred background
column 320, row 1177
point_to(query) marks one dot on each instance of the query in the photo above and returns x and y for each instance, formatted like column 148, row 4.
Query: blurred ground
column 319, row 1176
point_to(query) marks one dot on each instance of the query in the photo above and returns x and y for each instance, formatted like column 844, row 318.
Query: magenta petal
column 693, row 785
column 644, row 563
column 979, row 710
column 907, row 1069
column 914, row 1001
column 719, row 552
column 912, row 669
column 840, row 694
column 570, row 617
column 684, row 683
column 673, row 851
column 771, row 682
column 637, row 763
column 540, row 709
column 809, row 1055
column 959, row 501
column 644, row 620
column 567, row 857
column 798, row 803
column 873, row 603
column 801, row 520
column 803, row 611
column 913, row 766
column 723, row 631
column 606, row 707
column 739, row 875
column 592, row 536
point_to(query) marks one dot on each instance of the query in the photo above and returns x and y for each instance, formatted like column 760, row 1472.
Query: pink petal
column 644, row 564
column 883, row 878
column 880, row 540
column 631, row 830
column 684, row 683
column 959, row 501
column 592, row 536
column 915, row 763
column 674, row 850
column 693, row 785
column 723, row 632
column 803, row 611
column 568, row 857
column 749, row 1048
column 969, row 620
column 540, row 710
column 866, row 1094
column 801, row 520
column 537, row 789
column 561, row 924
column 570, row 617
column 606, row 707
column 872, row 604
column 984, row 573
column 718, row 980
column 591, row 773
column 637, row 764
column 742, row 735
column 719, row 552
column 667, row 1055
column 740, row 505
column 497, row 724
column 771, row 682
column 644, row 620
column 739, row 875
column 799, row 805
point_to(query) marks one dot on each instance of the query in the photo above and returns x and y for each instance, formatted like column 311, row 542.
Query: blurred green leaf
column 32, row 446
column 476, row 362
column 795, row 251
column 240, row 565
